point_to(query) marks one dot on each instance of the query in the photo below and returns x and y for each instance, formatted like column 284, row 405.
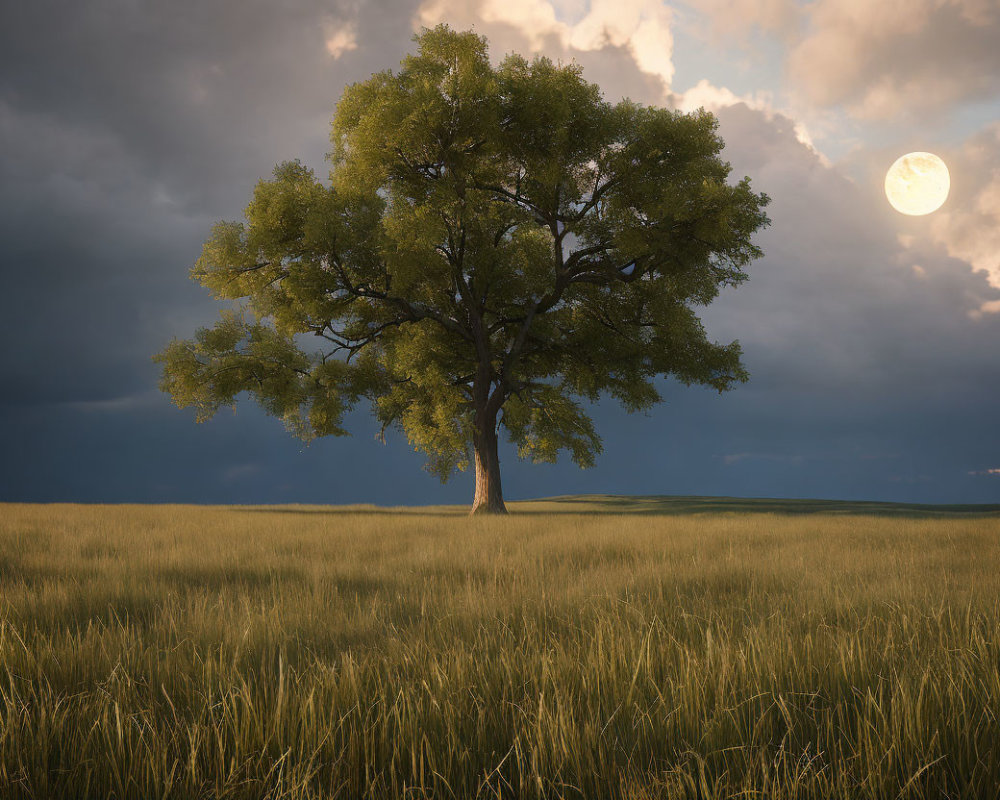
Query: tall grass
column 182, row 652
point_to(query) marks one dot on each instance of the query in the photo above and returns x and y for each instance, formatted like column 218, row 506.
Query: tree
column 494, row 246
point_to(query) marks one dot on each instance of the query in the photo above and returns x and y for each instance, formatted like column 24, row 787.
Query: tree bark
column 489, row 493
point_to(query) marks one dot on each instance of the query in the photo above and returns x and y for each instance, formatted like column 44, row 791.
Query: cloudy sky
column 873, row 339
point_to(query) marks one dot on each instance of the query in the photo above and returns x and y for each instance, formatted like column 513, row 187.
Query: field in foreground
column 747, row 651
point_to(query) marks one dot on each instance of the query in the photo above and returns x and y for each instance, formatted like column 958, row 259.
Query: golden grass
column 305, row 652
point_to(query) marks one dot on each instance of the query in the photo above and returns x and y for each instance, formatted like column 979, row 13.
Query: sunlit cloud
column 712, row 98
column 969, row 225
column 736, row 19
column 880, row 60
column 340, row 38
column 640, row 27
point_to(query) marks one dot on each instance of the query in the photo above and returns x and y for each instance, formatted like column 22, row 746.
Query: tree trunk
column 489, row 494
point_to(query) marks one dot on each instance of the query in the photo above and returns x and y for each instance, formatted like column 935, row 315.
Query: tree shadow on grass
column 681, row 505
column 663, row 505
column 440, row 512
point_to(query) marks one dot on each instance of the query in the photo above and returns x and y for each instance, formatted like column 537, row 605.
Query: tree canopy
column 494, row 246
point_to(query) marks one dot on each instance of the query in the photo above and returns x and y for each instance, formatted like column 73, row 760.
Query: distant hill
column 668, row 504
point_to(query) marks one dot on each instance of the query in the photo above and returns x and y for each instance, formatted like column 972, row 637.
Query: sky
column 872, row 338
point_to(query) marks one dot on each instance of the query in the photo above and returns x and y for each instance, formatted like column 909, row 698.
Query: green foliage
column 494, row 245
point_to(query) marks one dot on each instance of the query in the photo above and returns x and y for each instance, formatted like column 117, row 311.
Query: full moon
column 917, row 184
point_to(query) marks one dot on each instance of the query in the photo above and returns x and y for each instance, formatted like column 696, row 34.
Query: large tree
column 494, row 246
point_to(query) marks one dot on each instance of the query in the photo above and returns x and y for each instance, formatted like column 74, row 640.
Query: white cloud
column 990, row 307
column 536, row 19
column 639, row 27
column 734, row 19
column 967, row 227
column 642, row 26
column 712, row 98
column 340, row 38
column 835, row 308
column 969, row 224
column 706, row 95
column 897, row 57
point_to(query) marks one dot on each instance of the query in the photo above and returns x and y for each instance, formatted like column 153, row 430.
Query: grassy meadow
column 592, row 647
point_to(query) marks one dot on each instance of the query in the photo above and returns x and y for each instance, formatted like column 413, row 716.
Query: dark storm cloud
column 191, row 90
column 860, row 348
column 839, row 287
column 126, row 129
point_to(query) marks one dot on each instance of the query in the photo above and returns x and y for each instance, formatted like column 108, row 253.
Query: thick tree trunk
column 489, row 494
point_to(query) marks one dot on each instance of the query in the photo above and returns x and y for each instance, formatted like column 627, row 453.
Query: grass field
column 589, row 647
